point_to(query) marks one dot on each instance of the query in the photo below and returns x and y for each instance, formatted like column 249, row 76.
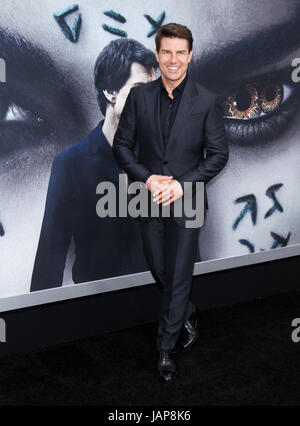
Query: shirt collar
column 178, row 88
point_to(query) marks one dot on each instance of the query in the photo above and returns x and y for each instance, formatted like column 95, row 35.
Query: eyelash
column 13, row 113
column 261, row 126
column 20, row 126
column 16, row 112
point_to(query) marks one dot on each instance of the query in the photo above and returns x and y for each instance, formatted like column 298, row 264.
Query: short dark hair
column 174, row 30
column 113, row 66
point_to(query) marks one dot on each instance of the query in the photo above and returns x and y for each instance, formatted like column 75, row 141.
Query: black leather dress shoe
column 189, row 333
column 166, row 366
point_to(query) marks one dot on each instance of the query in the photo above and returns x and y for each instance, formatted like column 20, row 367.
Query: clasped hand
column 165, row 189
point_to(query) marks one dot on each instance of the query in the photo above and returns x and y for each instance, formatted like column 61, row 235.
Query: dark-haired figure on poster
column 178, row 127
column 104, row 247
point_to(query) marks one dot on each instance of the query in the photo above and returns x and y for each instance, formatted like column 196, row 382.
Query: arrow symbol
column 279, row 240
column 270, row 192
column 72, row 34
column 248, row 244
column 155, row 24
column 251, row 206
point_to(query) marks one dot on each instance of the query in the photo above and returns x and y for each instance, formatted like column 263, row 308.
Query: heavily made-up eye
column 272, row 96
column 251, row 102
column 243, row 104
column 261, row 110
column 20, row 126
column 14, row 112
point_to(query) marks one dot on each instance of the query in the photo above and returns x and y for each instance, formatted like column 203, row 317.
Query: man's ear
column 156, row 54
column 110, row 95
column 190, row 55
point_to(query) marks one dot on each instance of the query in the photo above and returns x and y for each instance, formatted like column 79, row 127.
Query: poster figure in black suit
column 104, row 247
column 178, row 127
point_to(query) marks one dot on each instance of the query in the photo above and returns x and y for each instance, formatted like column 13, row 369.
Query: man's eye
column 260, row 111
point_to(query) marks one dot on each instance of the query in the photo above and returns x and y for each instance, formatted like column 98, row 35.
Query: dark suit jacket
column 197, row 148
column 104, row 247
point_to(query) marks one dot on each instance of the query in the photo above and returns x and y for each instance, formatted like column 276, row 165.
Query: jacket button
column 165, row 162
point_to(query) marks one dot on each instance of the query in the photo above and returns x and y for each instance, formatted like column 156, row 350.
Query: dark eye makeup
column 20, row 124
column 259, row 110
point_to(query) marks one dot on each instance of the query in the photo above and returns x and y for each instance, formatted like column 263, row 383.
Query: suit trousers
column 170, row 251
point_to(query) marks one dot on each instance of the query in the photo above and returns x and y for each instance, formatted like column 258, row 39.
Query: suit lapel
column 188, row 99
column 152, row 100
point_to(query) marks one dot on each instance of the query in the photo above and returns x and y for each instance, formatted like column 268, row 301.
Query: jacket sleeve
column 215, row 145
column 55, row 233
column 125, row 141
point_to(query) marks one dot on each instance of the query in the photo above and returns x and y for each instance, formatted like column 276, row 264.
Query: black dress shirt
column 168, row 109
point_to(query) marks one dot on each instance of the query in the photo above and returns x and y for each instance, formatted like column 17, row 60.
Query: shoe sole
column 188, row 347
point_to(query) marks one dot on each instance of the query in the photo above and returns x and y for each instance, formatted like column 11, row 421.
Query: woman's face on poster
column 242, row 50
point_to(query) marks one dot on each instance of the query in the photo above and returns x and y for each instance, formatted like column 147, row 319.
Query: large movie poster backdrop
column 66, row 71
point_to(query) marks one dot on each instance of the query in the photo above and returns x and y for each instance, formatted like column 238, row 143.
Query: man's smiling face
column 173, row 59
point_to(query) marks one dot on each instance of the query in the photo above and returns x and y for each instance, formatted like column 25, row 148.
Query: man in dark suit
column 177, row 126
column 104, row 247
